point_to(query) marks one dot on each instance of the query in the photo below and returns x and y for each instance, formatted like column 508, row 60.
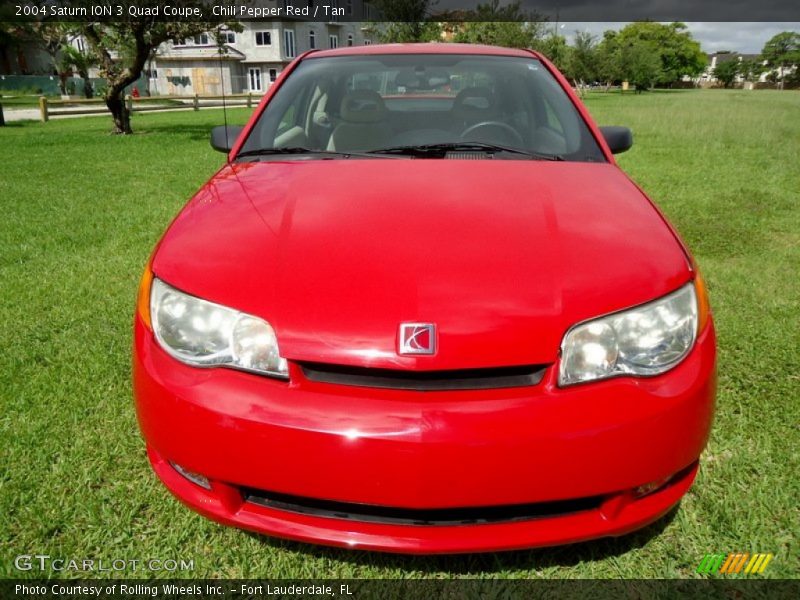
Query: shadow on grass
column 18, row 124
column 191, row 131
column 632, row 92
column 188, row 132
column 492, row 562
column 671, row 90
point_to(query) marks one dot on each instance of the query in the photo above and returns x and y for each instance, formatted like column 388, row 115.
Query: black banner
column 332, row 11
column 396, row 589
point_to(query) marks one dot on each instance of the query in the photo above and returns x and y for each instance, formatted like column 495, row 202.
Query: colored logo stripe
column 758, row 563
column 711, row 563
column 734, row 563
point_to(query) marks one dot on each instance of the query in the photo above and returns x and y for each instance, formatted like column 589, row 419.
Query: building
column 708, row 78
column 25, row 58
column 251, row 59
column 717, row 58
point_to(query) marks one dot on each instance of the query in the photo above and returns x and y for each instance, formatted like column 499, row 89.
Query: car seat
column 363, row 123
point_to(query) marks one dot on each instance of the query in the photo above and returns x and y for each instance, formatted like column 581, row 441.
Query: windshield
column 394, row 103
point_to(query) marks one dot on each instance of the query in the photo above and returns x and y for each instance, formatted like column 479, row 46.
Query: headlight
column 205, row 334
column 646, row 340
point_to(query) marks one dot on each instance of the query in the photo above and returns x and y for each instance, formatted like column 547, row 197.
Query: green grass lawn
column 12, row 102
column 82, row 210
column 22, row 101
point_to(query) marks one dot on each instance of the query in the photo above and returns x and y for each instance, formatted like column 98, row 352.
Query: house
column 239, row 62
column 709, row 78
column 24, row 58
column 250, row 60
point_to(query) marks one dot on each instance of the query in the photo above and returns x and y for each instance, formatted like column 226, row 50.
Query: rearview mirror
column 224, row 137
column 619, row 139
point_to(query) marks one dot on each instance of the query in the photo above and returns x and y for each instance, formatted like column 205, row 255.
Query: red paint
column 503, row 257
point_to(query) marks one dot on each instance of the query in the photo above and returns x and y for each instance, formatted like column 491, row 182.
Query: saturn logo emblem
column 417, row 338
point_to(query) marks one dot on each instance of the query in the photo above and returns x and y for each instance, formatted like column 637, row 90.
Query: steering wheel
column 506, row 129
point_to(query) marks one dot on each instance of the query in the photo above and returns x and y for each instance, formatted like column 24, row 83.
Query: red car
column 420, row 309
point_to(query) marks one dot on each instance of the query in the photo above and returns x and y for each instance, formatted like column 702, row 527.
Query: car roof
column 427, row 48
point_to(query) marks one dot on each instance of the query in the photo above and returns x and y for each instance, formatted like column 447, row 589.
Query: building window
column 367, row 42
column 80, row 44
column 201, row 40
column 288, row 42
column 263, row 38
column 227, row 37
column 350, row 7
column 333, row 41
column 273, row 75
column 349, row 39
column 254, row 74
column 312, row 39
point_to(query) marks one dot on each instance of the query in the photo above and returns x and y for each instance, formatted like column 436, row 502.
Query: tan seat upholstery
column 473, row 105
column 548, row 141
column 363, row 126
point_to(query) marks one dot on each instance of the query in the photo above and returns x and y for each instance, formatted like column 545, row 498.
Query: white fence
column 96, row 106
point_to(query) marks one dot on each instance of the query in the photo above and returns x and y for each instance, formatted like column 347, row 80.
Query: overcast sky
column 747, row 38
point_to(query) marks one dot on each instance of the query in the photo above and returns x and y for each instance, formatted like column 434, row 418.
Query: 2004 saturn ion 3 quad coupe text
column 421, row 309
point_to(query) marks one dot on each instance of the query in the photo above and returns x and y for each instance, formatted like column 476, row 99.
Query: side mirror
column 223, row 138
column 619, row 139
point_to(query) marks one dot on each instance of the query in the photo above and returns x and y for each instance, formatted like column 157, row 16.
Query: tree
column 727, row 71
column 508, row 34
column 81, row 62
column 52, row 37
column 640, row 64
column 751, row 70
column 496, row 25
column 583, row 59
column 608, row 63
column 555, row 48
column 782, row 52
column 401, row 32
column 123, row 46
column 678, row 54
column 11, row 35
column 406, row 21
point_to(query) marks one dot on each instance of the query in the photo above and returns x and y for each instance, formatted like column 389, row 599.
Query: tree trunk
column 88, row 90
column 119, row 112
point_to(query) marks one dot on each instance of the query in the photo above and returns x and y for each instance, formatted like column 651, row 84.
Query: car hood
column 502, row 256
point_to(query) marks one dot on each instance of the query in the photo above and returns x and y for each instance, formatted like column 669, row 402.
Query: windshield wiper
column 439, row 150
column 298, row 150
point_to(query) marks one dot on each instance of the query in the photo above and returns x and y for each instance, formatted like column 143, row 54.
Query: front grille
column 468, row 155
column 425, row 381
column 423, row 517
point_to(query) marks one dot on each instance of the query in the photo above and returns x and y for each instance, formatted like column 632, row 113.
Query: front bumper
column 419, row 451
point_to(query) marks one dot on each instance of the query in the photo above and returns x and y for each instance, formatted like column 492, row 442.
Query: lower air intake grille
column 424, row 517
column 427, row 381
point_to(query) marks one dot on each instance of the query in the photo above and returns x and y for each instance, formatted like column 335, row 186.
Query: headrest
column 363, row 106
column 474, row 100
column 408, row 79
